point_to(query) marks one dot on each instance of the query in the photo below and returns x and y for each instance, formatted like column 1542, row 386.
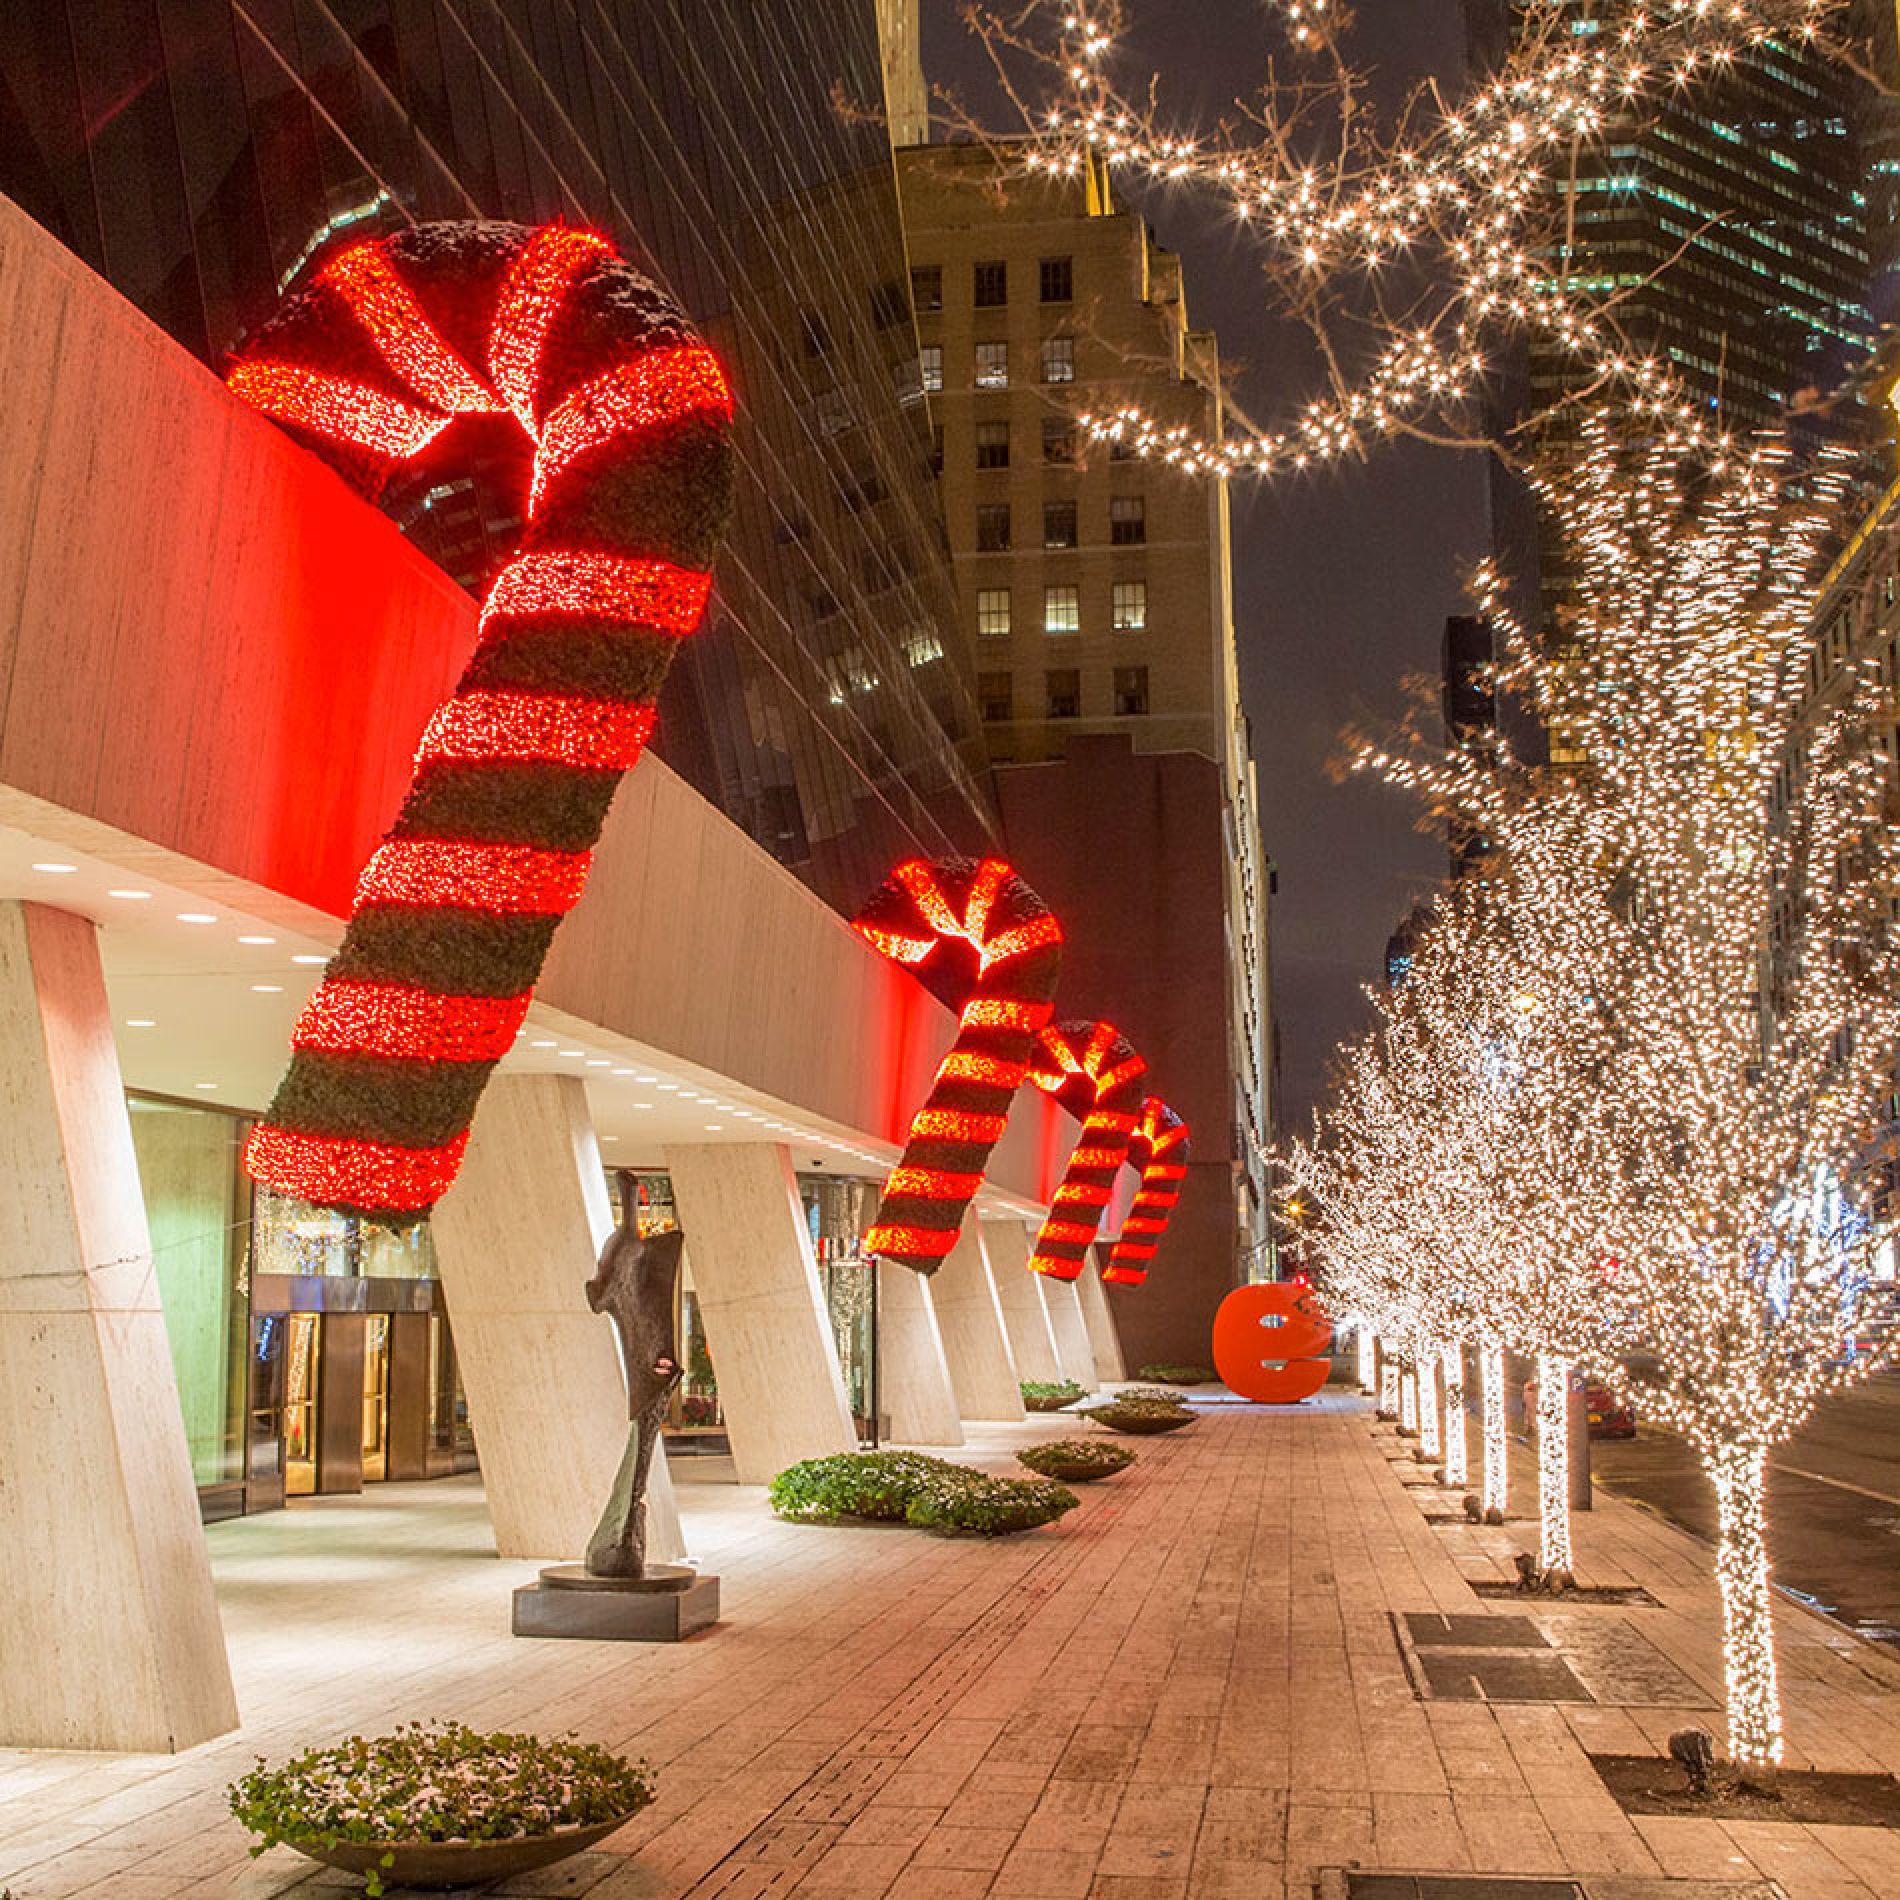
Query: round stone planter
column 1125, row 1419
column 458, row 1863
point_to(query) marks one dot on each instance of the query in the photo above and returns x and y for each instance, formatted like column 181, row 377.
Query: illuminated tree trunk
column 1497, row 1447
column 1457, row 1460
column 1408, row 1399
column 1430, row 1444
column 1553, row 1464
column 1362, row 1357
column 1388, row 1385
column 1739, row 1473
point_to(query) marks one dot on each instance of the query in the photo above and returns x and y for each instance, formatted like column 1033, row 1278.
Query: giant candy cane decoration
column 1093, row 1069
column 984, row 944
column 629, row 416
column 1159, row 1148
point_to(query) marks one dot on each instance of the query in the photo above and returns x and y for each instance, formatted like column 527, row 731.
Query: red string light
column 514, row 879
column 536, row 290
column 984, row 906
column 661, row 387
column 617, row 384
column 405, row 339
column 342, row 1170
column 401, row 1022
column 338, row 407
column 596, row 586
column 1159, row 1148
column 1092, row 1068
column 592, row 735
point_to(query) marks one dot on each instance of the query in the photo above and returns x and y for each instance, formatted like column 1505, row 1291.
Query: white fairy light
column 1554, row 1551
column 1457, row 1457
column 1496, row 1493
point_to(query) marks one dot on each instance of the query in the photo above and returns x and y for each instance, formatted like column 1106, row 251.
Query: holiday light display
column 1388, row 1384
column 1092, row 1070
column 1451, row 1372
column 986, row 946
column 1464, row 194
column 1555, row 1555
column 1495, row 1484
column 629, row 415
column 1430, row 1417
column 1158, row 1150
column 1701, row 923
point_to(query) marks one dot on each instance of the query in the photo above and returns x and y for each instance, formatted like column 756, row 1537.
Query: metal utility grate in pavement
column 1456, row 1887
column 1345, row 1883
column 1548, row 1657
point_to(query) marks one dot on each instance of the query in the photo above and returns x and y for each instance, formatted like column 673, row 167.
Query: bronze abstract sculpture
column 633, row 1285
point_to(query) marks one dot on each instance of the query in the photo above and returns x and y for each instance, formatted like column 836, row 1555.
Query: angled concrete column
column 970, row 1320
column 1071, row 1331
column 913, row 1380
column 1103, row 1342
column 1032, row 1341
column 516, row 1240
column 111, row 1633
column 750, row 1252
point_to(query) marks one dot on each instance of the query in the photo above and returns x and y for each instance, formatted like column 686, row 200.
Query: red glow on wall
column 924, row 910
column 475, row 843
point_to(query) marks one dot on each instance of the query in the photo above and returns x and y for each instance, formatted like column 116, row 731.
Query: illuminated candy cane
column 1093, row 1069
column 984, row 944
column 629, row 415
column 1159, row 1148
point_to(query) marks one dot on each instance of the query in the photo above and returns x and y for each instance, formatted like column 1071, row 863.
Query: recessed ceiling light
column 573, row 1052
column 600, row 1062
column 667, row 1085
column 610, row 1137
column 645, row 1078
column 268, row 989
column 623, row 1072
column 141, row 1022
column 131, row 897
column 196, row 917
column 648, row 1106
column 204, row 1085
column 542, row 1042
column 304, row 956
column 712, row 1128
column 257, row 939
column 56, row 870
column 691, row 1095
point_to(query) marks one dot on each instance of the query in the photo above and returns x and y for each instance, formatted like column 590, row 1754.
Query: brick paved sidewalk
column 1194, row 1686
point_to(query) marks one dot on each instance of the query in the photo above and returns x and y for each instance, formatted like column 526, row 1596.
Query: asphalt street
column 1833, row 1502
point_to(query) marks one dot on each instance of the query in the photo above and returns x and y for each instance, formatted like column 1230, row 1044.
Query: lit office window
column 992, row 610
column 1128, row 606
column 1062, row 610
column 992, row 366
column 1058, row 359
column 930, row 366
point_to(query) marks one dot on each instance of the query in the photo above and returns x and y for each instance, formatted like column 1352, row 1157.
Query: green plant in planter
column 1178, row 1375
column 437, row 1782
column 1151, row 1395
column 1076, row 1460
column 981, row 1506
column 1142, row 1416
column 1041, row 1395
column 907, row 1487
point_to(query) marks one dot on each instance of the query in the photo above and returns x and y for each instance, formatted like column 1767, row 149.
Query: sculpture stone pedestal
column 668, row 1603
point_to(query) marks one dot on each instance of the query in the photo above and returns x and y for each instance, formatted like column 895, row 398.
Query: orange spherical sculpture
column 1272, row 1342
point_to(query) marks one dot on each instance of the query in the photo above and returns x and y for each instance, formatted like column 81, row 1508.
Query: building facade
column 1095, row 604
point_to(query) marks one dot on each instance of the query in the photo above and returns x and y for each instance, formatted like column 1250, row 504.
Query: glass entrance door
column 302, row 1363
column 376, row 1398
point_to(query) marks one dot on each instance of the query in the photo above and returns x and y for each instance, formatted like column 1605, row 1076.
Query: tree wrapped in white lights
column 1702, row 909
column 1415, row 247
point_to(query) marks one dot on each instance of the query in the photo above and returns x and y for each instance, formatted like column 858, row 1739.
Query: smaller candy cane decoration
column 1159, row 1148
column 984, row 944
column 1093, row 1069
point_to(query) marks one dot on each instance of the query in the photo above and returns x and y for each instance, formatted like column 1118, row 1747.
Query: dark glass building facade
column 205, row 157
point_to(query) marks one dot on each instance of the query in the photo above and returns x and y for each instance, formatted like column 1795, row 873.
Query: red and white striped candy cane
column 1159, row 1148
column 629, row 414
column 1092, row 1069
column 984, row 944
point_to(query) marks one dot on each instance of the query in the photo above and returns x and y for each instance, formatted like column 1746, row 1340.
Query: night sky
column 1343, row 579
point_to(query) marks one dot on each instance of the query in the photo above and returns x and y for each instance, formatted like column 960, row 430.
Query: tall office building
column 1095, row 607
